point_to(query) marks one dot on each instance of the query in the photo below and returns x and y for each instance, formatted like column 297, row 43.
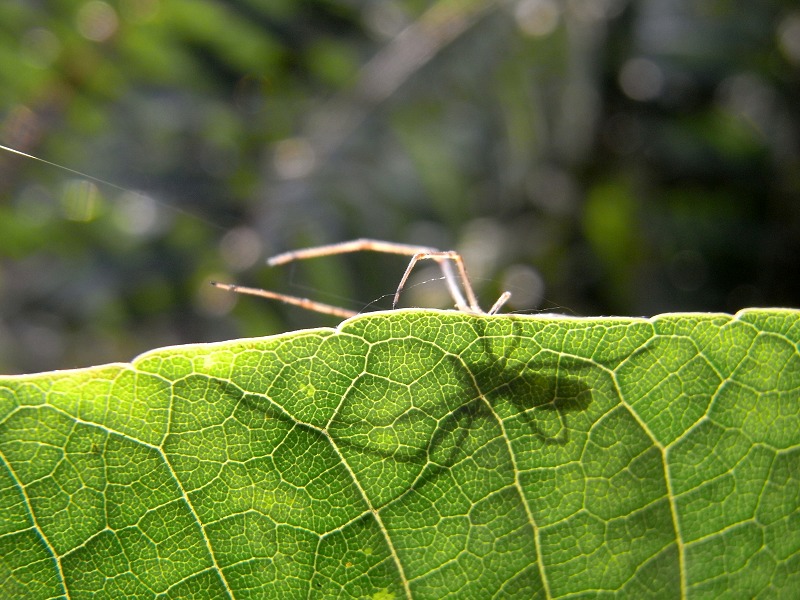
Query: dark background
column 594, row 157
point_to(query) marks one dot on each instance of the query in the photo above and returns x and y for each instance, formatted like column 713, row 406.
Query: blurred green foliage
column 591, row 156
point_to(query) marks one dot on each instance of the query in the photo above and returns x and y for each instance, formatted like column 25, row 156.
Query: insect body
column 457, row 281
column 463, row 294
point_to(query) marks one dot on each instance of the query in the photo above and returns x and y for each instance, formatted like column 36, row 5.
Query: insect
column 463, row 294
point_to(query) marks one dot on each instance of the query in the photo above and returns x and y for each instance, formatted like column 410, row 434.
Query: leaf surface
column 416, row 454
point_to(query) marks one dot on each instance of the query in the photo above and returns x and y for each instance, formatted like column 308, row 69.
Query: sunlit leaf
column 416, row 454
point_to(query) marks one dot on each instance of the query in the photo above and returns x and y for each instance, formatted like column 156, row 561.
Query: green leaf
column 416, row 454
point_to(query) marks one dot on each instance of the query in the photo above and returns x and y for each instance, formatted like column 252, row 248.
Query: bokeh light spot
column 537, row 18
column 385, row 19
column 789, row 37
column 136, row 214
column 294, row 158
column 241, row 248
column 641, row 79
column 97, row 21
column 526, row 286
column 81, row 200
column 40, row 47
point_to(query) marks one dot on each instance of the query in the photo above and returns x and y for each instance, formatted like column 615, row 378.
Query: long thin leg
column 442, row 258
column 499, row 303
column 416, row 253
column 462, row 271
column 320, row 307
column 358, row 245
column 449, row 278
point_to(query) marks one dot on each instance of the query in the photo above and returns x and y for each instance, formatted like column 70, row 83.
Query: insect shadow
column 531, row 403
column 487, row 395
column 538, row 397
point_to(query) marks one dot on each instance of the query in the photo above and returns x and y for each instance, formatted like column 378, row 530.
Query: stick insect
column 463, row 294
